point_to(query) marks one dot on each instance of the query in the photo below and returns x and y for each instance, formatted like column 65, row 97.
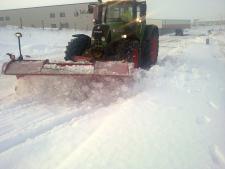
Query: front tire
column 77, row 46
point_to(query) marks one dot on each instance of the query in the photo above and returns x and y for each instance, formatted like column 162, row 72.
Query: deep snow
column 172, row 118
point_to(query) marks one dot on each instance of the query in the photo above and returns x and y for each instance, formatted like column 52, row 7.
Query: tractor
column 120, row 33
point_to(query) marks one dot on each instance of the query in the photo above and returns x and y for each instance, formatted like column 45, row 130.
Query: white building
column 74, row 16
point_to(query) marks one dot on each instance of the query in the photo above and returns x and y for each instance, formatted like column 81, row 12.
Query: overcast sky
column 159, row 9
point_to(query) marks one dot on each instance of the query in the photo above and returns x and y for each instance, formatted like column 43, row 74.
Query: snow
column 172, row 117
column 87, row 69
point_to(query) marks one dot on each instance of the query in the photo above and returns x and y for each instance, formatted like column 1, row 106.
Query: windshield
column 119, row 12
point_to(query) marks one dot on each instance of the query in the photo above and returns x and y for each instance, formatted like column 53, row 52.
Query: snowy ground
column 173, row 118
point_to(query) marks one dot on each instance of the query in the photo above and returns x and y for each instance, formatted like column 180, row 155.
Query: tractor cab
column 117, row 25
column 119, row 19
column 122, row 12
column 119, row 11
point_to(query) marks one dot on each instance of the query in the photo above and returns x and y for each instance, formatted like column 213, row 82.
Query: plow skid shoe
column 41, row 68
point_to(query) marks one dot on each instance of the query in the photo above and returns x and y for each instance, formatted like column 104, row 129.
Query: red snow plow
column 46, row 68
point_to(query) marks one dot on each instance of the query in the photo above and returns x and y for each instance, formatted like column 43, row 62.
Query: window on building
column 64, row 25
column 1, row 18
column 52, row 15
column 7, row 18
column 62, row 14
column 90, row 8
column 53, row 25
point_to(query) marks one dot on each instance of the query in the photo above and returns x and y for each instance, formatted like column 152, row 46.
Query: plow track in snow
column 37, row 123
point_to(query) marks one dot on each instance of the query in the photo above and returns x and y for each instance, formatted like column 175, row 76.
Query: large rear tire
column 77, row 46
column 150, row 47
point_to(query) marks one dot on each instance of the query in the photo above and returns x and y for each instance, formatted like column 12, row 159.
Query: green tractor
column 120, row 33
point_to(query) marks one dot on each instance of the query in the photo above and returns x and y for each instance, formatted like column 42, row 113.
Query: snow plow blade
column 46, row 68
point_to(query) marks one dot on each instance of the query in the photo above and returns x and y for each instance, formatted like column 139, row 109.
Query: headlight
column 138, row 20
column 103, row 38
column 124, row 36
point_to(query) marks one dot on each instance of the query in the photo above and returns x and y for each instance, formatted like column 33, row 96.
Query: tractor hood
column 121, row 30
column 114, row 31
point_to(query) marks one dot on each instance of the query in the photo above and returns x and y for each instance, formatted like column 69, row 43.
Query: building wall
column 170, row 23
column 73, row 16
column 208, row 23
